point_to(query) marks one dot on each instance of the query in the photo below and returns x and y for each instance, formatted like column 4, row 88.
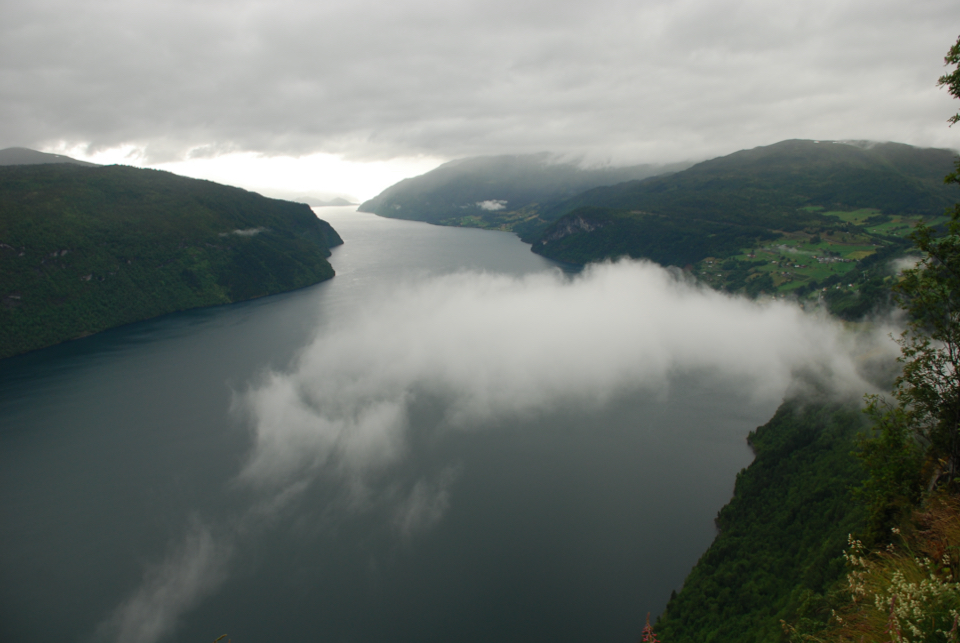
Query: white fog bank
column 495, row 345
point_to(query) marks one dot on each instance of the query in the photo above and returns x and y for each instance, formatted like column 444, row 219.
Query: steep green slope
column 83, row 249
column 496, row 191
column 782, row 535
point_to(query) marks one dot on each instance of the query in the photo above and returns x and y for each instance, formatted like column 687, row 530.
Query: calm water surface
column 116, row 448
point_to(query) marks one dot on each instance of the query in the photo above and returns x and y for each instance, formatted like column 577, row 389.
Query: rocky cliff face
column 568, row 226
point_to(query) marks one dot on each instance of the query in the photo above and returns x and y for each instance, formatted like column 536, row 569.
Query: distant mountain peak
column 500, row 191
column 25, row 156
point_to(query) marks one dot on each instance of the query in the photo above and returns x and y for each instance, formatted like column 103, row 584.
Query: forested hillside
column 816, row 220
column 781, row 537
column 768, row 185
column 500, row 192
column 843, row 530
column 83, row 249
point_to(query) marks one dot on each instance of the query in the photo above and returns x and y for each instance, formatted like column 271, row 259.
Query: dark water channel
column 116, row 448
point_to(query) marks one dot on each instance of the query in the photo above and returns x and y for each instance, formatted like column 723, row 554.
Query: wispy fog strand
column 192, row 571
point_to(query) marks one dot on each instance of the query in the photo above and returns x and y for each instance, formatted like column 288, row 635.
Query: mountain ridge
column 26, row 156
column 797, row 218
column 496, row 191
column 84, row 249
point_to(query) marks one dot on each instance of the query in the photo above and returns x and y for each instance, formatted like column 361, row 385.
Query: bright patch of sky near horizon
column 317, row 175
column 360, row 94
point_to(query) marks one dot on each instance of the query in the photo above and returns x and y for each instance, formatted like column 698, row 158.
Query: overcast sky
column 241, row 87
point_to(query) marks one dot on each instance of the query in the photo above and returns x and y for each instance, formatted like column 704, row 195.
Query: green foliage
column 903, row 593
column 781, row 536
column 872, row 276
column 776, row 557
column 594, row 234
column 918, row 433
column 909, row 593
column 763, row 283
column 929, row 389
column 952, row 80
column 83, row 249
column 893, row 460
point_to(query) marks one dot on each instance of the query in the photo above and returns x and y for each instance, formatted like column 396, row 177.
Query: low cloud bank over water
column 479, row 349
column 494, row 345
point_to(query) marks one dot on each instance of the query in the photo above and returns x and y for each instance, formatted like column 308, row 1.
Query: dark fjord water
column 119, row 457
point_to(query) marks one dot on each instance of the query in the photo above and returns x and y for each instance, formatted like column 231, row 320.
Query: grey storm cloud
column 609, row 79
